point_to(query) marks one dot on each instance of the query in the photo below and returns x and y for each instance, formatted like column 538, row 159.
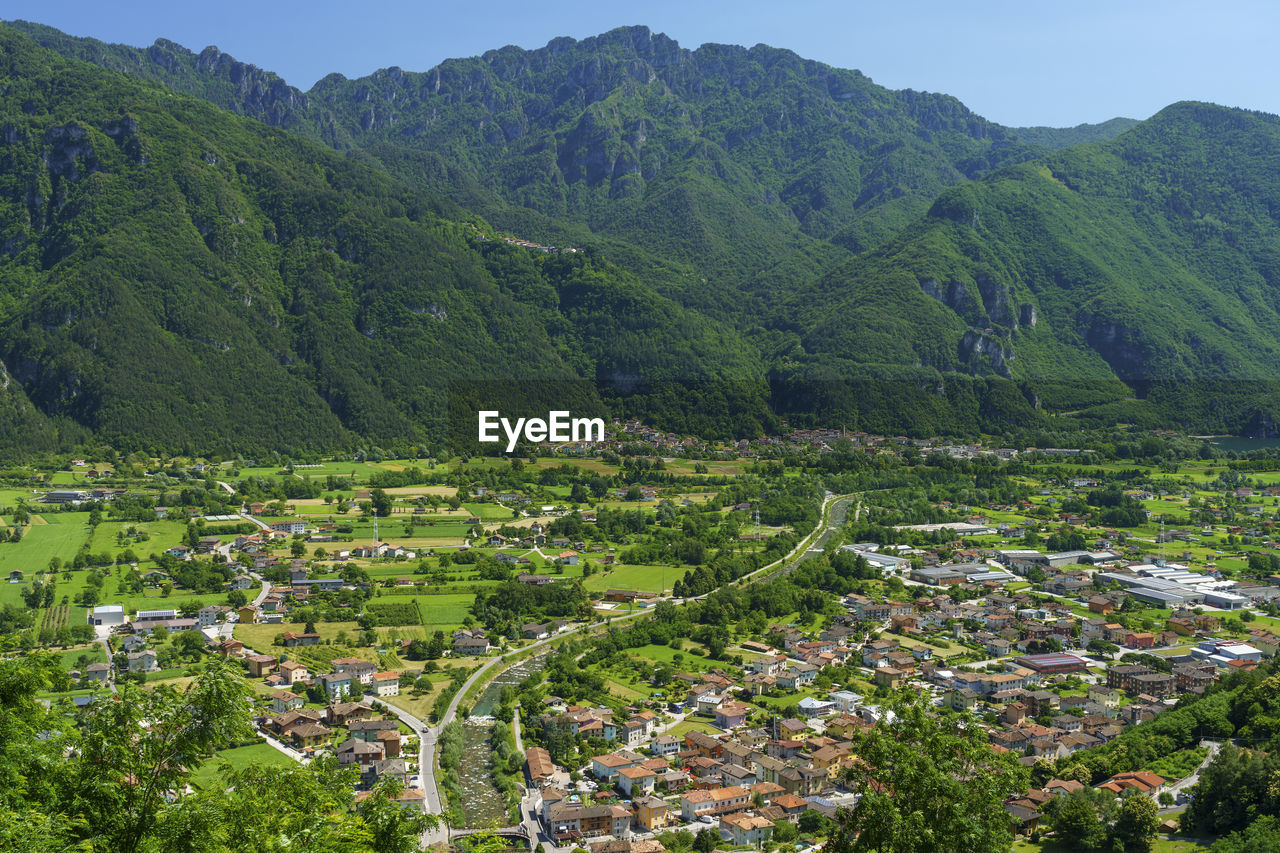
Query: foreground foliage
column 114, row 776
column 928, row 784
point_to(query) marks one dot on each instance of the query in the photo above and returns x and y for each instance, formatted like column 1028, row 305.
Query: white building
column 107, row 614
column 386, row 683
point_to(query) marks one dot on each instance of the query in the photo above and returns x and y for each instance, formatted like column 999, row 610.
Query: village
column 740, row 773
column 1064, row 612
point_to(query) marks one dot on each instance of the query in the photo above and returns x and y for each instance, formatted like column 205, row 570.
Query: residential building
column 715, row 802
column 652, row 813
column 386, row 684
column 746, row 830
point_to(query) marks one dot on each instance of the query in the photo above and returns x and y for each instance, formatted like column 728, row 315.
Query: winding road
column 833, row 514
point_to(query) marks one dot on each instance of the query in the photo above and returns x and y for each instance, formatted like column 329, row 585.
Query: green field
column 444, row 611
column 908, row 643
column 420, row 706
column 11, row 593
column 629, row 692
column 784, row 703
column 61, row 537
column 209, row 774
column 164, row 534
column 93, row 651
column 1162, row 844
column 639, row 578
column 684, row 727
column 260, row 637
column 666, row 654
column 360, row 471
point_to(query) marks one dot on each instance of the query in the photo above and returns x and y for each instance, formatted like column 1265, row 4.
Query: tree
column 392, row 828
column 114, row 771
column 705, row 841
column 1074, row 818
column 1137, row 823
column 381, row 502
column 812, row 820
column 190, row 643
column 928, row 784
column 1102, row 647
column 784, row 831
column 1261, row 836
column 1234, row 788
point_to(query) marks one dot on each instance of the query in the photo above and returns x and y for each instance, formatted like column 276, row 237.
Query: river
column 482, row 802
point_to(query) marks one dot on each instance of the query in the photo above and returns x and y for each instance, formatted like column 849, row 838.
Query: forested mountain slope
column 760, row 230
column 727, row 158
column 1148, row 258
column 175, row 276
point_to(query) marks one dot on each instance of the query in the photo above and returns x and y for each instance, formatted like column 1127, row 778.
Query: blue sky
column 1017, row 63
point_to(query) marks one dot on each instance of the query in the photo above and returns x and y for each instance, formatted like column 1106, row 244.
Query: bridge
column 520, row 831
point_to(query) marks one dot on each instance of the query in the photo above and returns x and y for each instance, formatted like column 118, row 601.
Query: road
column 102, row 634
column 1189, row 781
column 286, row 750
column 426, row 771
column 262, row 593
column 829, row 523
column 261, row 524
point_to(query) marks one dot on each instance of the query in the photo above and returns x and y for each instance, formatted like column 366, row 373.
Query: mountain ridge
column 627, row 131
column 718, row 195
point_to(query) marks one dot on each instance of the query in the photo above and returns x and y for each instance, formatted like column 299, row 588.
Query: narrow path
column 1194, row 777
column 286, row 750
column 261, row 524
column 106, row 646
column 262, row 593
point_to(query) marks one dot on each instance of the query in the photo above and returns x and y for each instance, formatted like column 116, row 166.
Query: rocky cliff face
column 984, row 354
column 997, row 302
column 260, row 94
column 241, row 87
column 954, row 295
column 993, row 306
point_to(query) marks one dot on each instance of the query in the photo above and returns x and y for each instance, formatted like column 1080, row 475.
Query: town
column 398, row 615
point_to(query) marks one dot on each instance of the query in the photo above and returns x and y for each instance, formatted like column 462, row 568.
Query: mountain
column 1149, row 260
column 755, row 166
column 189, row 247
column 173, row 276
column 1055, row 138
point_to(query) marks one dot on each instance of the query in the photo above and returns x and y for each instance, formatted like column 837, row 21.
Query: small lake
column 1244, row 445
